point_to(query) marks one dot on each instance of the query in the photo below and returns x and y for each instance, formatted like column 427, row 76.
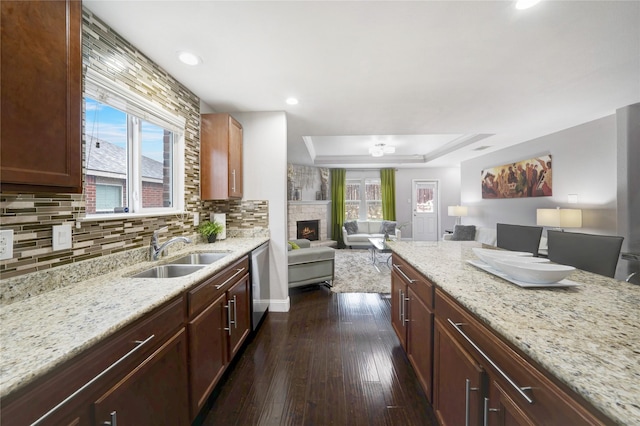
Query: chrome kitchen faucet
column 156, row 251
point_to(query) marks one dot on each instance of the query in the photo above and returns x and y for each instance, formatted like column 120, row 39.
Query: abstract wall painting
column 525, row 178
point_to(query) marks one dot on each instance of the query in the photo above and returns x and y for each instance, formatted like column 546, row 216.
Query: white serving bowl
column 490, row 256
column 537, row 273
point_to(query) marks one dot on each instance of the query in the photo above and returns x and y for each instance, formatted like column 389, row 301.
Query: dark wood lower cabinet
column 153, row 393
column 153, row 372
column 412, row 319
column 459, row 381
column 505, row 387
column 207, row 351
column 420, row 340
column 398, row 308
column 220, row 308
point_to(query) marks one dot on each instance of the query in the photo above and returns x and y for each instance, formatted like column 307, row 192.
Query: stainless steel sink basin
column 168, row 271
column 199, row 258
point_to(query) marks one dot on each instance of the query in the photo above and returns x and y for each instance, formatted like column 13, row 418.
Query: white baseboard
column 279, row 305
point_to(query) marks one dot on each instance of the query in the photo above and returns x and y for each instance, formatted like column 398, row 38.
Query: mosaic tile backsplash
column 31, row 217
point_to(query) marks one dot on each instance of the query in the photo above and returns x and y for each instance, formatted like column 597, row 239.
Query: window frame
column 363, row 209
column 137, row 110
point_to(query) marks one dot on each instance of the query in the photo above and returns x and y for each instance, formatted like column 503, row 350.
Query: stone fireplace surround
column 310, row 210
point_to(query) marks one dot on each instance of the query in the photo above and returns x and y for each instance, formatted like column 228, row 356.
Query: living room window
column 363, row 199
column 133, row 153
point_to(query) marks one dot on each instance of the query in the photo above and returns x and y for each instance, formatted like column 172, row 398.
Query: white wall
column 449, row 188
column 265, row 178
column 583, row 162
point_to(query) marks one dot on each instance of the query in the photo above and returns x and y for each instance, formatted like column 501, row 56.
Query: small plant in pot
column 210, row 230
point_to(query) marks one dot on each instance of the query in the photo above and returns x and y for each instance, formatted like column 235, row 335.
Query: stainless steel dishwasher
column 259, row 283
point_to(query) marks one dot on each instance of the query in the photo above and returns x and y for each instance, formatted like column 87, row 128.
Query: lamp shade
column 459, row 211
column 570, row 218
column 559, row 218
column 548, row 217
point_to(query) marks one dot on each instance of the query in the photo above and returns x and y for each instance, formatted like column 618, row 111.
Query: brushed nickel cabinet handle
column 140, row 344
column 239, row 271
column 397, row 268
column 467, row 396
column 235, row 312
column 519, row 389
column 114, row 419
column 488, row 410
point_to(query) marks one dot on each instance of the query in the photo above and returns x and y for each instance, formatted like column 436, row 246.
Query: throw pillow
column 464, row 233
column 293, row 245
column 388, row 227
column 351, row 226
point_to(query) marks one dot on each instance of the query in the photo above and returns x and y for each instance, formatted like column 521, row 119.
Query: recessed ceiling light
column 292, row 101
column 526, row 4
column 189, row 58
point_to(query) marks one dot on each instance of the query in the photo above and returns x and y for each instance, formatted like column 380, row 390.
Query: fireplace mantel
column 309, row 210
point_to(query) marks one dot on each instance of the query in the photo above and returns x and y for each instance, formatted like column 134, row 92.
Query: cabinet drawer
column 205, row 293
column 536, row 392
column 125, row 346
column 421, row 286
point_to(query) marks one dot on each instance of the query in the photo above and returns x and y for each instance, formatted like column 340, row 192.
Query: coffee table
column 379, row 246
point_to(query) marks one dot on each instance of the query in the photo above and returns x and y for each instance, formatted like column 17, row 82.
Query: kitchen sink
column 168, row 271
column 199, row 258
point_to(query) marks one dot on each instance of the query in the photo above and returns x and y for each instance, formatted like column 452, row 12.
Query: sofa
column 310, row 265
column 367, row 229
column 489, row 236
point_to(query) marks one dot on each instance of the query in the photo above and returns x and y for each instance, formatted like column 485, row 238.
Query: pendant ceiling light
column 379, row 149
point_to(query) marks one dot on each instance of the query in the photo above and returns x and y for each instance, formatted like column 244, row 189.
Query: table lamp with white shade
column 559, row 218
column 458, row 211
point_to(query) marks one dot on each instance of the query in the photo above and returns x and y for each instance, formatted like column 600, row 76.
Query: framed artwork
column 525, row 178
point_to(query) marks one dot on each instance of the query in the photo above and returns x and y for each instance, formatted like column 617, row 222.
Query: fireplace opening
column 308, row 229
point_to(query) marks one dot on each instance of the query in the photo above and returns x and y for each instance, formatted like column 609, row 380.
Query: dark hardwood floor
column 333, row 359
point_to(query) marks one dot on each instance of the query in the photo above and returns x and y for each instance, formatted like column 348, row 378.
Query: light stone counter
column 588, row 336
column 41, row 332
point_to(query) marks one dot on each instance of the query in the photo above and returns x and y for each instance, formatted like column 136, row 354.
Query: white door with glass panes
column 425, row 210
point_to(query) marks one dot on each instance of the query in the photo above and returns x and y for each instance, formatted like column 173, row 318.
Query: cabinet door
column 235, row 159
column 420, row 340
column 459, row 382
column 41, row 96
column 398, row 308
column 207, row 351
column 240, row 313
column 501, row 410
column 154, row 393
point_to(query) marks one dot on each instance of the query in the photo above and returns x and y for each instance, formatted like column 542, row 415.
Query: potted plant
column 210, row 230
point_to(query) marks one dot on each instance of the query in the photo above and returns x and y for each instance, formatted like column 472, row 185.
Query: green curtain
column 388, row 189
column 338, row 187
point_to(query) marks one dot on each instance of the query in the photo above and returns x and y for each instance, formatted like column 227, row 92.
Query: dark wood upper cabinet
column 220, row 157
column 41, row 140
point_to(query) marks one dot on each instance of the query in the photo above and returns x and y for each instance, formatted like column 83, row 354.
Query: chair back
column 594, row 253
column 519, row 237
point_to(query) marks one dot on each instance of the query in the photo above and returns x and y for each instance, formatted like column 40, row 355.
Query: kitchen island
column 586, row 337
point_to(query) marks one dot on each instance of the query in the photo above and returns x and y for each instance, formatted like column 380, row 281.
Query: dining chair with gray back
column 593, row 253
column 519, row 237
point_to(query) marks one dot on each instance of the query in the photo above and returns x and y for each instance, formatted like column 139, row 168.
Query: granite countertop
column 41, row 332
column 587, row 336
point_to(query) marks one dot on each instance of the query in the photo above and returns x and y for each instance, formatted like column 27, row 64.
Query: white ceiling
column 436, row 79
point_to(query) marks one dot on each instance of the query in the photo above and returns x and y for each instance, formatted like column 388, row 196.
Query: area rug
column 355, row 274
